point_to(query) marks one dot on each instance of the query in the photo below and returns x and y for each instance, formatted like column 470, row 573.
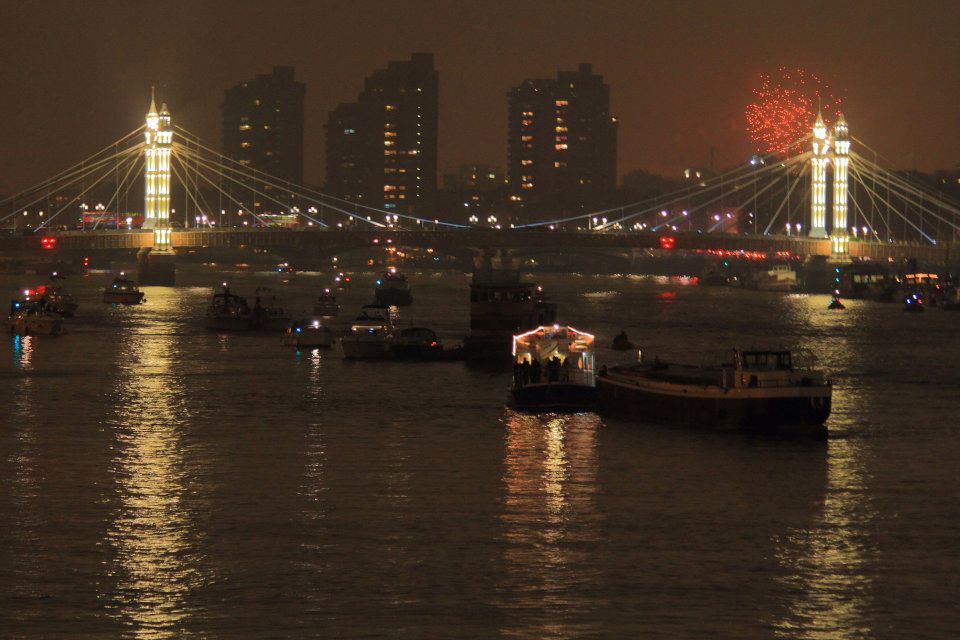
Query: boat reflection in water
column 550, row 584
column 153, row 533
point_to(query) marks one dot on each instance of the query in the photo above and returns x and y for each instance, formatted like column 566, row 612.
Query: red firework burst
column 785, row 107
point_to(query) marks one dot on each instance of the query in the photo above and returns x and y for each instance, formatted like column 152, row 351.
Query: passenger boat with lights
column 309, row 333
column 553, row 370
column 285, row 268
column 31, row 316
column 228, row 312
column 326, row 305
column 393, row 289
column 751, row 390
column 122, row 291
column 423, row 344
column 342, row 281
column 370, row 334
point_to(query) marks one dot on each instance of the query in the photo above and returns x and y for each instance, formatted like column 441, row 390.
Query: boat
column 779, row 277
column 750, row 390
column 342, row 281
column 913, row 303
column 370, row 334
column 621, row 342
column 421, row 343
column 835, row 304
column 31, row 316
column 284, row 267
column 122, row 291
column 553, row 370
column 501, row 305
column 59, row 300
column 267, row 313
column 228, row 312
column 309, row 333
column 866, row 281
column 326, row 305
column 393, row 289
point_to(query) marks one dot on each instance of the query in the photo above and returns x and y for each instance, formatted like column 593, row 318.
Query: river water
column 159, row 481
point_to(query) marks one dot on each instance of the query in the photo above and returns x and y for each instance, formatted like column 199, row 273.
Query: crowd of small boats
column 41, row 310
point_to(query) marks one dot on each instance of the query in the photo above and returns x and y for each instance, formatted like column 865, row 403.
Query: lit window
column 561, row 129
column 523, row 163
column 388, row 143
column 244, row 127
column 526, row 138
column 562, row 103
column 561, row 146
column 245, row 144
column 256, row 103
column 389, row 107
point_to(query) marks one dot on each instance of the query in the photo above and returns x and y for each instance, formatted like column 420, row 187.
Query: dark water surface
column 160, row 481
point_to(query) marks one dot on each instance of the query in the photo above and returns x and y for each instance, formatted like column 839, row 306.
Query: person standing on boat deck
column 517, row 374
column 525, row 371
column 566, row 369
column 535, row 371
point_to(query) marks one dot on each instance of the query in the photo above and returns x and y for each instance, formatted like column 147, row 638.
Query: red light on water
column 48, row 242
column 667, row 242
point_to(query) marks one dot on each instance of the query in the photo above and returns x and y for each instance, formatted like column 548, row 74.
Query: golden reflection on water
column 827, row 563
column 551, row 525
column 313, row 488
column 153, row 533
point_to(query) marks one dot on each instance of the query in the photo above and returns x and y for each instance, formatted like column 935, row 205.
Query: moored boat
column 393, row 289
column 267, row 313
column 59, row 300
column 423, row 344
column 553, row 370
column 370, row 334
column 309, row 333
column 228, row 312
column 750, row 390
column 326, row 305
column 122, row 291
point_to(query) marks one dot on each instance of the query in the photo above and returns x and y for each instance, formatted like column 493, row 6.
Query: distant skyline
column 76, row 76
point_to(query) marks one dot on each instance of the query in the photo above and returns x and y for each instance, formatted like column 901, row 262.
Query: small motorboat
column 835, row 303
column 420, row 343
column 553, row 370
column 309, row 333
column 29, row 316
column 913, row 303
column 393, row 289
column 267, row 314
column 284, row 267
column 622, row 342
column 228, row 312
column 58, row 299
column 370, row 334
column 326, row 305
column 122, row 291
column 341, row 281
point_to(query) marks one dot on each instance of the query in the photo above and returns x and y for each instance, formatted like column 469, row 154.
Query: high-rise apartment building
column 382, row 149
column 263, row 124
column 562, row 147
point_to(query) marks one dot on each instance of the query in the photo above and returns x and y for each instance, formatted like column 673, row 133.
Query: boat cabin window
column 767, row 360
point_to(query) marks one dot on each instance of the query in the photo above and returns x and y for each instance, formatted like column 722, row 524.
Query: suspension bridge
column 833, row 197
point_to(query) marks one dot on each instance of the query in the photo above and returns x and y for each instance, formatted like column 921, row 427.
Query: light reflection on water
column 153, row 534
column 551, row 525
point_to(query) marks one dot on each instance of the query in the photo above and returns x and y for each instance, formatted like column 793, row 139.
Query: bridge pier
column 156, row 268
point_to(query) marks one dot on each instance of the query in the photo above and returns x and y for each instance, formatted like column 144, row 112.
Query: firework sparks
column 785, row 107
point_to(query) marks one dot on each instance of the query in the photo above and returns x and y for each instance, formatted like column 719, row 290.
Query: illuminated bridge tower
column 818, row 181
column 156, row 205
column 839, row 240
column 156, row 264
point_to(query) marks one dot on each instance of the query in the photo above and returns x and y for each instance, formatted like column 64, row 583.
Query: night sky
column 76, row 75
